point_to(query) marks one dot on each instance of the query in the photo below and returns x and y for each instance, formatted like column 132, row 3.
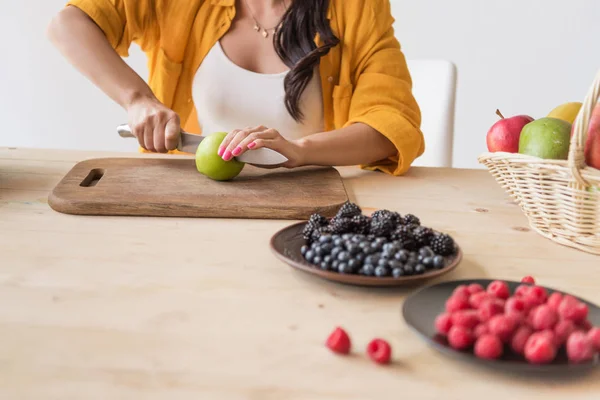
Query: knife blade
column 188, row 143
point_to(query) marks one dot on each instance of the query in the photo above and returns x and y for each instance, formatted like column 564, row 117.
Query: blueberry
column 354, row 265
column 335, row 251
column 335, row 237
column 352, row 248
column 347, row 236
column 327, row 259
column 426, row 252
column 310, row 254
column 344, row 268
column 401, row 256
column 325, row 239
column 372, row 259
column 343, row 256
column 408, row 269
column 324, row 265
column 339, row 242
column 395, row 264
column 438, row 262
column 397, row 272
column 360, row 257
column 319, row 251
column 387, row 247
column 314, row 245
column 382, row 262
column 317, row 260
column 387, row 255
column 327, row 247
column 427, row 262
column 368, row 270
column 369, row 250
column 419, row 269
column 335, row 264
column 381, row 271
column 358, row 238
column 304, row 249
column 363, row 245
column 376, row 246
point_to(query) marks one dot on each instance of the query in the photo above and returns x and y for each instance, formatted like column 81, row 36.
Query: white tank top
column 229, row 97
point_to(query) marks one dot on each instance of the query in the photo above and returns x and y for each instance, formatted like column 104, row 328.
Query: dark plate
column 422, row 307
column 286, row 245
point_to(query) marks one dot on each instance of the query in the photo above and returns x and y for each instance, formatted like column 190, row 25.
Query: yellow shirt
column 364, row 79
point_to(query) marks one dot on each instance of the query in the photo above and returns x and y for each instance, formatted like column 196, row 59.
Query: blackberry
column 382, row 227
column 341, row 225
column 317, row 233
column 317, row 220
column 442, row 244
column 394, row 216
column 307, row 231
column 361, row 224
column 422, row 235
column 410, row 219
column 348, row 210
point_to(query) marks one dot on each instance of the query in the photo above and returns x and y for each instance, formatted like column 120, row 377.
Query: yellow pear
column 567, row 112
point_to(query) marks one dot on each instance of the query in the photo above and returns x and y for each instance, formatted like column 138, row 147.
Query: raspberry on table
column 443, row 323
column 554, row 300
column 562, row 331
column 522, row 290
column 379, row 351
column 528, row 279
column 537, row 295
column 594, row 336
column 476, row 299
column 573, row 309
column 460, row 338
column 456, row 303
column 490, row 307
column 580, row 347
column 481, row 329
column 544, row 317
column 515, row 305
column 461, row 290
column 502, row 326
column 339, row 341
column 488, row 346
column 519, row 339
column 465, row 318
column 539, row 349
column 499, row 289
column 475, row 288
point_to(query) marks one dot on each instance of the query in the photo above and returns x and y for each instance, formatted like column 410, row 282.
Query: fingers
column 256, row 140
column 157, row 130
column 232, row 148
column 158, row 135
column 172, row 132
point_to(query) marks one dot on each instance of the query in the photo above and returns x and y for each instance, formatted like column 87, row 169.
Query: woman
column 324, row 82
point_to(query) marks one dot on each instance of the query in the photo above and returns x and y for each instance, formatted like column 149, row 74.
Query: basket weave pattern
column 560, row 198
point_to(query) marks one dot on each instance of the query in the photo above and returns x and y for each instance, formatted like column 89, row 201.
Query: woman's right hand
column 155, row 126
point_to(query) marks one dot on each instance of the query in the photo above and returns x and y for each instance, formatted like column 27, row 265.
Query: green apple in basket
column 209, row 163
column 547, row 138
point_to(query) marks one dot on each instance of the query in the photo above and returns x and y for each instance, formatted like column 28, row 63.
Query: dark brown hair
column 295, row 45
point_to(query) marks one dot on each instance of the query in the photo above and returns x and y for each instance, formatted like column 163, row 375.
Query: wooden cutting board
column 172, row 187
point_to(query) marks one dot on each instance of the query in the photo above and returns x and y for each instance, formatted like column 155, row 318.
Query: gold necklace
column 258, row 27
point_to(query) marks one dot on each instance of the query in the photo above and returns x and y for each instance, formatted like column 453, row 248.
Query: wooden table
column 153, row 308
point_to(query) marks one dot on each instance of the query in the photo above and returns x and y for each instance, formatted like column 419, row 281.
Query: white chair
column 434, row 87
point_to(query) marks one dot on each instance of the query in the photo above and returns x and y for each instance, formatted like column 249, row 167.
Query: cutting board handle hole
column 92, row 178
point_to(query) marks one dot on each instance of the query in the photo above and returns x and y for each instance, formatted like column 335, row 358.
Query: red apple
column 504, row 135
column 592, row 144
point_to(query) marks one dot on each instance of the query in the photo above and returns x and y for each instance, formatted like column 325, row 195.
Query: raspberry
column 528, row 279
column 443, row 323
column 475, row 288
column 519, row 339
column 457, row 303
column 499, row 289
column 461, row 290
column 549, row 333
column 580, row 348
column 543, row 317
column 502, row 326
column 584, row 325
column 515, row 305
column 476, row 299
column 489, row 308
column 465, row 318
column 522, row 290
column 594, row 336
column 537, row 295
column 481, row 329
column 562, row 331
column 488, row 346
column 379, row 351
column 554, row 300
column 339, row 341
column 460, row 338
column 573, row 309
column 539, row 349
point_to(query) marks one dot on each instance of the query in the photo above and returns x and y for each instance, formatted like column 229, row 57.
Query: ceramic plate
column 422, row 307
column 286, row 245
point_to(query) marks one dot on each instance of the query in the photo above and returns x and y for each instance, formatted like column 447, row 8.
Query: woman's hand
column 155, row 126
column 239, row 141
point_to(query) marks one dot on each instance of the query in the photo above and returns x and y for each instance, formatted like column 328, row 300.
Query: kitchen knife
column 188, row 143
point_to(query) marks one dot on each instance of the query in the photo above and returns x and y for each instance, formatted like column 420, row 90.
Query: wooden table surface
column 157, row 308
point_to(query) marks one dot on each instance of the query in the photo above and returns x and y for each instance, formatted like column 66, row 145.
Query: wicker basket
column 561, row 198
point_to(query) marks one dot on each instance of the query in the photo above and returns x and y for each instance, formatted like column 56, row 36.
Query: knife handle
column 125, row 131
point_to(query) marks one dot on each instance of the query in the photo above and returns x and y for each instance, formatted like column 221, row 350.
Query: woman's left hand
column 239, row 141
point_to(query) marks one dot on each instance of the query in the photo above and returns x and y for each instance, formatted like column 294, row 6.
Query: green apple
column 547, row 138
column 209, row 163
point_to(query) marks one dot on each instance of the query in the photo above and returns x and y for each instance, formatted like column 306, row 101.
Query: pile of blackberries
column 385, row 244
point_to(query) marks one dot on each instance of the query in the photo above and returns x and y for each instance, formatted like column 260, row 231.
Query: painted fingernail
column 227, row 155
column 251, row 145
column 237, row 151
column 221, row 150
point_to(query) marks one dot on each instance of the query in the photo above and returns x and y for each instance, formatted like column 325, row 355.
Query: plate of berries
column 512, row 325
column 381, row 249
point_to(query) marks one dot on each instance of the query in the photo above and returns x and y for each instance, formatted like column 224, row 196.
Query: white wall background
column 522, row 56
